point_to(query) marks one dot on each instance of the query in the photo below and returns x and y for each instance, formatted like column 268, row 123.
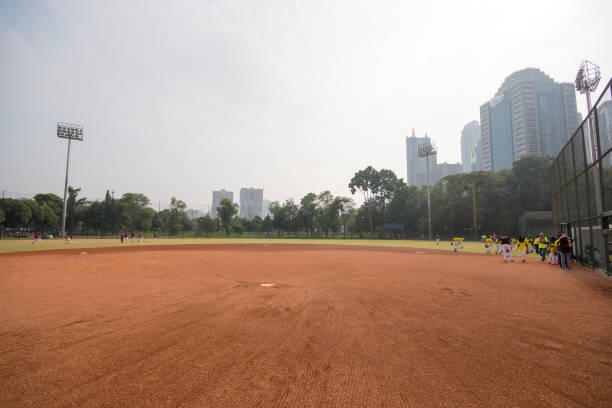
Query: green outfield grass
column 82, row 243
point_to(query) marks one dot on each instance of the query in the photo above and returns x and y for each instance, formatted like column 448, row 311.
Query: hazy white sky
column 180, row 98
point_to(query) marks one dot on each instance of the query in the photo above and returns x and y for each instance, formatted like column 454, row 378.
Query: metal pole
column 66, row 191
column 594, row 152
column 428, row 198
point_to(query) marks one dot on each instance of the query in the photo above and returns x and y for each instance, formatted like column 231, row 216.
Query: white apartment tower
column 216, row 201
column 251, row 202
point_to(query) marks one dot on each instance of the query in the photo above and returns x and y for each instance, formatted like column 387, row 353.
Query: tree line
column 501, row 198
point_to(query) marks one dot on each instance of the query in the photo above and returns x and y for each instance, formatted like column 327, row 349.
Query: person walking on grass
column 541, row 243
column 522, row 245
column 565, row 252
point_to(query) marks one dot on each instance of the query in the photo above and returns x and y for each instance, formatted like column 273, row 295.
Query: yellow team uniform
column 489, row 244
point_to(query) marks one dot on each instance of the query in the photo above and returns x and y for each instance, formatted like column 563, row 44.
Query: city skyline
column 530, row 115
column 296, row 97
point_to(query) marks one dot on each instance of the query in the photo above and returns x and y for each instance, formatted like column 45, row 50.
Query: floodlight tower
column 71, row 132
column 425, row 150
column 587, row 80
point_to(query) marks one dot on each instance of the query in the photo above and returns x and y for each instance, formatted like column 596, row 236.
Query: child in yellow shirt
column 522, row 245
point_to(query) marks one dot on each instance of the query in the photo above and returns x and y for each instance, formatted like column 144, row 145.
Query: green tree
column 156, row 222
column 144, row 219
column 226, row 210
column 365, row 181
column 176, row 216
column 237, row 226
column 47, row 219
column 268, row 224
column 16, row 212
column 205, row 225
column 53, row 201
column 331, row 209
column 308, row 212
column 279, row 220
column 93, row 217
column 74, row 208
column 257, row 224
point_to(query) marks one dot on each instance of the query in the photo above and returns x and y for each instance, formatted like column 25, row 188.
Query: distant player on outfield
column 457, row 243
column 67, row 240
column 140, row 237
column 122, row 236
column 132, row 235
column 506, row 248
column 522, row 245
column 489, row 244
column 155, row 237
column 437, row 239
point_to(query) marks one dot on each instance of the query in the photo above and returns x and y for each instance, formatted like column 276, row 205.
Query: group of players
column 557, row 249
column 126, row 238
column 36, row 239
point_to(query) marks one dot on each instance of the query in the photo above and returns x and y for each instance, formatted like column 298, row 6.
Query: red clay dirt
column 341, row 327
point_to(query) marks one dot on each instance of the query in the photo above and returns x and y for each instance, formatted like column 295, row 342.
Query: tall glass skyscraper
column 470, row 138
column 530, row 115
column 416, row 167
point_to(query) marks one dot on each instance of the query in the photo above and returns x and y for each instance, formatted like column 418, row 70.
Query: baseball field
column 269, row 324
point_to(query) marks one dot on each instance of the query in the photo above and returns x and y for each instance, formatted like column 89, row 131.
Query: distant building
column 416, row 166
column 251, row 202
column 470, row 137
column 216, row 200
column 604, row 122
column 193, row 214
column 477, row 156
column 530, row 115
column 443, row 170
column 265, row 208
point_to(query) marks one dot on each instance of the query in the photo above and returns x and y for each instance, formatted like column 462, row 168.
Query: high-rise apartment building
column 216, row 201
column 416, row 166
column 251, row 202
column 265, row 208
column 530, row 115
column 470, row 136
column 193, row 214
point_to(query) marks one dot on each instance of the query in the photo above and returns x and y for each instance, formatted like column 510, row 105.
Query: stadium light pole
column 587, row 80
column 425, row 150
column 71, row 132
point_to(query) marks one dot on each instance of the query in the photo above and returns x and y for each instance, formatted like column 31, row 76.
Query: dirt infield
column 338, row 327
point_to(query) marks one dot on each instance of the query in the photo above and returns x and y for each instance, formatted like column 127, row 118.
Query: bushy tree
column 176, row 216
column 206, row 225
column 227, row 210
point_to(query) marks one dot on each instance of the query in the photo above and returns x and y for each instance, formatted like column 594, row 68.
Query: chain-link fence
column 581, row 186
